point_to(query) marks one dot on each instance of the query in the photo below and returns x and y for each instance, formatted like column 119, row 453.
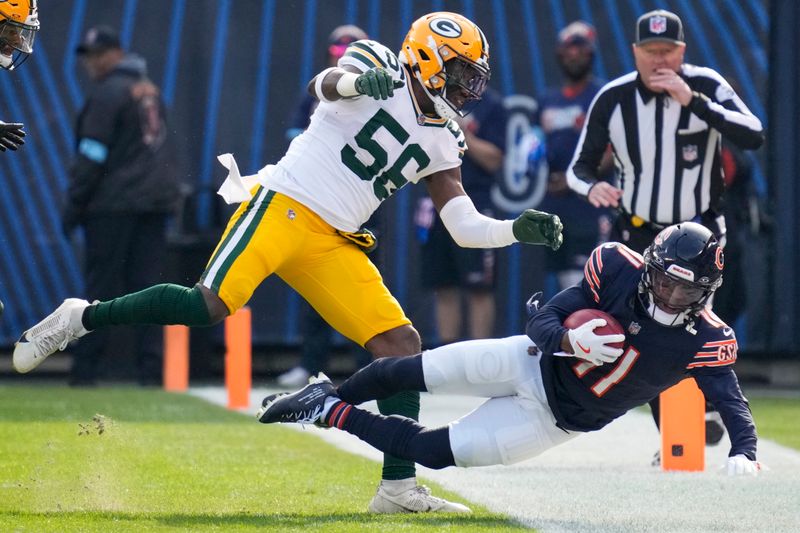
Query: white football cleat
column 417, row 499
column 50, row 335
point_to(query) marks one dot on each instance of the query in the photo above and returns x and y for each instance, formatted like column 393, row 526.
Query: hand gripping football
column 582, row 316
column 595, row 336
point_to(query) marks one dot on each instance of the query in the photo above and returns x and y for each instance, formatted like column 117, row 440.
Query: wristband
column 346, row 86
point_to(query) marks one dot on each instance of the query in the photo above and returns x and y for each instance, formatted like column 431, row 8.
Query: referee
column 665, row 123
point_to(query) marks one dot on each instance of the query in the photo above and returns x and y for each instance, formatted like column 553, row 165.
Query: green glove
column 538, row 227
column 377, row 83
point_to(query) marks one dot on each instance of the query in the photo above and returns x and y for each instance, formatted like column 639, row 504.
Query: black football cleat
column 302, row 407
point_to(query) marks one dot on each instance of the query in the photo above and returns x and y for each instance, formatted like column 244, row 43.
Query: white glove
column 590, row 347
column 739, row 465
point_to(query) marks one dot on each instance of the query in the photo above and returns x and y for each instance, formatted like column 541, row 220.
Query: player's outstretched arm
column 336, row 83
column 471, row 229
column 721, row 387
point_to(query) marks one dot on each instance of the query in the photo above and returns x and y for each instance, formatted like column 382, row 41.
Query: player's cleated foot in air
column 305, row 406
column 50, row 335
column 417, row 499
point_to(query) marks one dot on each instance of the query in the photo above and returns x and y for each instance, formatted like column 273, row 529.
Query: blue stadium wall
column 231, row 73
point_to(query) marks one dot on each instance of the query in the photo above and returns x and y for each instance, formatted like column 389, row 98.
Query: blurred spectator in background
column 745, row 221
column 465, row 277
column 120, row 191
column 561, row 113
column 338, row 41
column 317, row 333
column 19, row 22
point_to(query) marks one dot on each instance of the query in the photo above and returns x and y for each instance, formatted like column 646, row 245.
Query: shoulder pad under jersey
column 605, row 262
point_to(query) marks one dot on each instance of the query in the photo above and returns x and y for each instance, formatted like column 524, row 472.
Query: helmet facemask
column 458, row 87
column 464, row 85
column 16, row 43
column 671, row 301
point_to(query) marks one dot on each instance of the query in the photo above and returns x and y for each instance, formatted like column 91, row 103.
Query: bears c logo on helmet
column 445, row 27
column 719, row 259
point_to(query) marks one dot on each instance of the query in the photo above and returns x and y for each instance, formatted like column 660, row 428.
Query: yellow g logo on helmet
column 445, row 27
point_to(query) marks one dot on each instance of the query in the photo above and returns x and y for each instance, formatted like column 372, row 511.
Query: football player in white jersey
column 382, row 121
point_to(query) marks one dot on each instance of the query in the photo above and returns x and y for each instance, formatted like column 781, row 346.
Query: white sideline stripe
column 602, row 481
column 236, row 238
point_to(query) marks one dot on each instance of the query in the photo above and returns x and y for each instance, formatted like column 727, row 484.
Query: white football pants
column 516, row 422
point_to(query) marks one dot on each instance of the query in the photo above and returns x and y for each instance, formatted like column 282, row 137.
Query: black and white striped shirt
column 667, row 156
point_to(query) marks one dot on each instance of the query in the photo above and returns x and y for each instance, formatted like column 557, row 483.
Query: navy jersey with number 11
column 584, row 397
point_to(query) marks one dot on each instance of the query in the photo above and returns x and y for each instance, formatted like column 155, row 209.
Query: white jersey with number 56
column 358, row 151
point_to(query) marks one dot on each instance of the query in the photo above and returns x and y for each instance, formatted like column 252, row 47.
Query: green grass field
column 777, row 419
column 155, row 461
column 158, row 462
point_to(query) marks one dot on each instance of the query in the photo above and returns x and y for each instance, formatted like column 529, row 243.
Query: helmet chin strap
column 659, row 315
column 440, row 104
column 664, row 318
column 443, row 109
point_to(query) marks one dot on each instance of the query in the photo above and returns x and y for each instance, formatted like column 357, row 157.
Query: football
column 582, row 316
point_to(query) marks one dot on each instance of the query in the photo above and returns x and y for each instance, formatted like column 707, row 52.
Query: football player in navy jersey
column 556, row 383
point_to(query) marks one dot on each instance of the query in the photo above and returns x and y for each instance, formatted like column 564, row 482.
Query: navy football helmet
column 682, row 269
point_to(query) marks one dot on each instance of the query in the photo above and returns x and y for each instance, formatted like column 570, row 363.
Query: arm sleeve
column 721, row 388
column 582, row 171
column 470, row 229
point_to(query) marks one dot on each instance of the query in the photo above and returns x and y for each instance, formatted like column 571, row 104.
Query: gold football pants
column 273, row 233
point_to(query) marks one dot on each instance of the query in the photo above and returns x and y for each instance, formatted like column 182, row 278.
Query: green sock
column 403, row 404
column 160, row 304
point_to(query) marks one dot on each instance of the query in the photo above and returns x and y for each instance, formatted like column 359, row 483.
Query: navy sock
column 396, row 435
column 383, row 378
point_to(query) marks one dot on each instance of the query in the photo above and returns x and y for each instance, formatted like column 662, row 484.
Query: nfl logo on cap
column 658, row 24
